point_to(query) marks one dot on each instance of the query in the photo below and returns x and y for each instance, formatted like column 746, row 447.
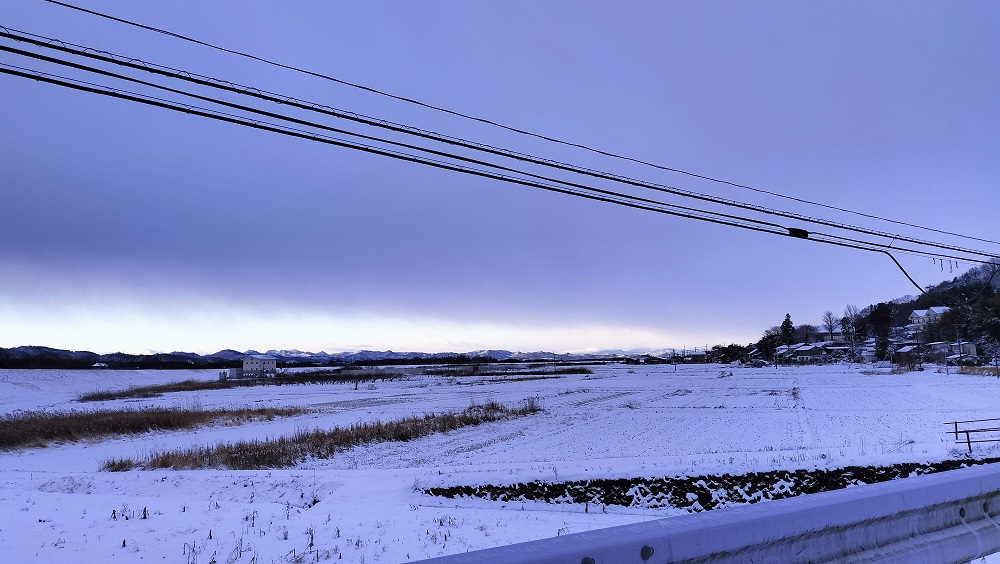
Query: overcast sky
column 125, row 227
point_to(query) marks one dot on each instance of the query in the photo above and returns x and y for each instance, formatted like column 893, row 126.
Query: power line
column 601, row 195
column 507, row 127
column 286, row 100
column 609, row 197
column 783, row 229
column 624, row 200
column 424, row 149
column 373, row 138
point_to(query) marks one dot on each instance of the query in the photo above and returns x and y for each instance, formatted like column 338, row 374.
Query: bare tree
column 851, row 316
column 804, row 333
column 853, row 313
column 830, row 322
column 991, row 350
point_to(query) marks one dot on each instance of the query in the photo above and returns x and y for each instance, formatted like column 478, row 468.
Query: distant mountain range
column 46, row 357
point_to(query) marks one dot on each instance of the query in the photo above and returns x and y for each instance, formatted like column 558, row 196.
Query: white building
column 258, row 365
column 921, row 317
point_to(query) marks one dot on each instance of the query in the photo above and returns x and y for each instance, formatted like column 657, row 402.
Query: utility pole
column 958, row 336
column 920, row 352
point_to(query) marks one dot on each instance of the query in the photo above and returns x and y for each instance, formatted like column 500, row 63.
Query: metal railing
column 951, row 516
column 981, row 431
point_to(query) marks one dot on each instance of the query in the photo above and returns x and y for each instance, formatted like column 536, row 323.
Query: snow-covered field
column 620, row 421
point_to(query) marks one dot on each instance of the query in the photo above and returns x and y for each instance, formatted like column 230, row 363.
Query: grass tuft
column 118, row 465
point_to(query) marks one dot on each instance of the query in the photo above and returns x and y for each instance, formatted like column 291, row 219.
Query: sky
column 132, row 228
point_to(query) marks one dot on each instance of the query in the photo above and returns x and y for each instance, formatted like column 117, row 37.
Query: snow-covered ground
column 620, row 421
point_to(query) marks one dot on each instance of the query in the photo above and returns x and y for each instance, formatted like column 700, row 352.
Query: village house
column 694, row 356
column 838, row 351
column 937, row 351
column 809, row 354
column 800, row 353
column 867, row 351
column 821, row 335
column 908, row 356
column 960, row 352
column 784, row 353
column 920, row 318
column 951, row 352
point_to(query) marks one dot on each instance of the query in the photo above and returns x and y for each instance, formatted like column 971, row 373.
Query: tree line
column 974, row 316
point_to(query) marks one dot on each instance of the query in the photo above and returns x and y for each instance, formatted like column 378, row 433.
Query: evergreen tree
column 787, row 330
column 880, row 319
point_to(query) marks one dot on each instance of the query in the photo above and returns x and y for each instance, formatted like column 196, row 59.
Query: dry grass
column 310, row 377
column 38, row 428
column 338, row 376
column 480, row 370
column 155, row 391
column 980, row 370
column 288, row 451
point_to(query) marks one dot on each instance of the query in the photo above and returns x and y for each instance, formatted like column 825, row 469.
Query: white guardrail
column 951, row 516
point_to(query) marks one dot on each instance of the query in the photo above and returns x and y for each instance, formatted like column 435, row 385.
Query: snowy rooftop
column 261, row 357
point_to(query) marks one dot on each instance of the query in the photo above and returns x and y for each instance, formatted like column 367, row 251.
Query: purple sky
column 132, row 228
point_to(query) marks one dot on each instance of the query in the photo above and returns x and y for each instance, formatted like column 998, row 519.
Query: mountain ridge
column 33, row 356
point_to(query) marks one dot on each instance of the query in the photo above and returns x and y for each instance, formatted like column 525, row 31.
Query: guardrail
column 984, row 431
column 947, row 517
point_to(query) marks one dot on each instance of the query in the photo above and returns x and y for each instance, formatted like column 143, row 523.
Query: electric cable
column 229, row 86
column 414, row 147
column 602, row 195
column 507, row 127
column 369, row 137
column 624, row 201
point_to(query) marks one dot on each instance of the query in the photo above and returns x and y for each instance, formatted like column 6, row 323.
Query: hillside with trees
column 971, row 301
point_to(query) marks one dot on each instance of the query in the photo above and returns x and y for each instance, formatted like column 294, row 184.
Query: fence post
column 956, row 431
column 968, row 441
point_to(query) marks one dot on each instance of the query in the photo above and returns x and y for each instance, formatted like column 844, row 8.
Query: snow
column 364, row 505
